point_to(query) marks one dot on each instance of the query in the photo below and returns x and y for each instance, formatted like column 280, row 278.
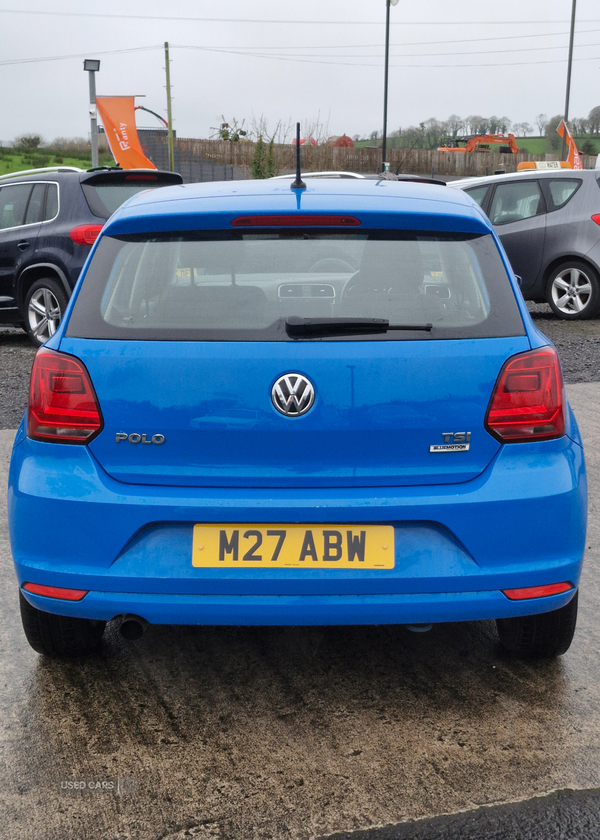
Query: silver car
column 549, row 224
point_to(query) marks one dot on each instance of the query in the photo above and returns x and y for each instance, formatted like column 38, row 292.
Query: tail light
column 85, row 234
column 55, row 592
column 537, row 591
column 528, row 401
column 63, row 406
column 596, row 218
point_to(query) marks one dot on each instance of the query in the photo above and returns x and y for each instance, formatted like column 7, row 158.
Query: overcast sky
column 464, row 57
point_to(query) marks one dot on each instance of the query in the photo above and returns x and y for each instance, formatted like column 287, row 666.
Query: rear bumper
column 520, row 523
column 298, row 610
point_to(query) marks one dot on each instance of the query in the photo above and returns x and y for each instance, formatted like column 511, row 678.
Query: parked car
column 549, row 224
column 380, row 176
column 49, row 219
column 275, row 406
column 334, row 173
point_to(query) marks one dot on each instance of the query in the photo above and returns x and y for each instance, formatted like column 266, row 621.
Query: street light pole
column 569, row 67
column 92, row 66
column 384, row 165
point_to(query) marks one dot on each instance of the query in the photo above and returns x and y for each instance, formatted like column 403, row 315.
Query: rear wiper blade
column 295, row 325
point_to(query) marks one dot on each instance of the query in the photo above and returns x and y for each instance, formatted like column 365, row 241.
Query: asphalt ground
column 360, row 733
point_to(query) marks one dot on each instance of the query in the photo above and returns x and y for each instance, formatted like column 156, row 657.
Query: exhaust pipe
column 418, row 628
column 132, row 627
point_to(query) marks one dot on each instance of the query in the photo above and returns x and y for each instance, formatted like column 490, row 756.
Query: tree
column 259, row 161
column 270, row 164
column 594, row 120
column 28, row 141
column 553, row 137
column 412, row 137
column 232, row 131
column 522, row 129
column 316, row 130
column 494, row 125
column 476, row 124
column 580, row 125
column 541, row 121
column 588, row 147
column 394, row 139
column 454, row 125
column 433, row 131
column 259, row 127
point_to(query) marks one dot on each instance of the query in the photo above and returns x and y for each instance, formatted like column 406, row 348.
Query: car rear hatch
column 107, row 189
column 185, row 335
column 382, row 414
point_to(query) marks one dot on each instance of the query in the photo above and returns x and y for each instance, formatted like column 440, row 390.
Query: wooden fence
column 324, row 158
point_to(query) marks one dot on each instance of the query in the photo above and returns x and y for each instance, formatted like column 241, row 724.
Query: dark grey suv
column 49, row 220
column 549, row 224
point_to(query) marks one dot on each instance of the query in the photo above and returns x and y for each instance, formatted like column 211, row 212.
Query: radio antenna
column 298, row 184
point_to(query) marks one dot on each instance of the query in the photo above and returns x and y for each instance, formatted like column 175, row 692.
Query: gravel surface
column 578, row 343
column 16, row 357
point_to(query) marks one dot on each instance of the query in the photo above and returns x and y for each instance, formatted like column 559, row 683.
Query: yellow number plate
column 293, row 546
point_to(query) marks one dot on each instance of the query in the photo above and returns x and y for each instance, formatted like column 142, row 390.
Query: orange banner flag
column 573, row 156
column 118, row 117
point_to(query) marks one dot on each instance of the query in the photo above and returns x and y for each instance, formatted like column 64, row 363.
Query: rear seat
column 207, row 306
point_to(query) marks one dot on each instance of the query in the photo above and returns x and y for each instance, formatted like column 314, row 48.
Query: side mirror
column 519, row 279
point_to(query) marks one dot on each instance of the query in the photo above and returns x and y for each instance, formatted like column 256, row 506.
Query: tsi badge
column 137, row 438
column 453, row 442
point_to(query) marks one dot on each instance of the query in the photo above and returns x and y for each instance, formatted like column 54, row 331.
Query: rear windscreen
column 242, row 286
column 104, row 198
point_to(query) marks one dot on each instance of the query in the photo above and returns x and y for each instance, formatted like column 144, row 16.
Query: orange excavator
column 483, row 143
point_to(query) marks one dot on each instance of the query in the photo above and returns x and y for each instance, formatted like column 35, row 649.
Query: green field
column 12, row 161
column 541, row 146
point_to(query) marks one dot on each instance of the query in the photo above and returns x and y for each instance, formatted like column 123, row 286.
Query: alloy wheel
column 44, row 314
column 571, row 291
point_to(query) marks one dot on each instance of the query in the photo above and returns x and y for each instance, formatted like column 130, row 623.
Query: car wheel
column 545, row 635
column 59, row 635
column 45, row 305
column 573, row 291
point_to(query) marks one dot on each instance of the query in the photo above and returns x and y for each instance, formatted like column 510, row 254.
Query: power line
column 308, row 59
column 251, row 51
column 425, row 43
column 418, row 55
column 78, row 55
column 313, row 23
column 355, row 64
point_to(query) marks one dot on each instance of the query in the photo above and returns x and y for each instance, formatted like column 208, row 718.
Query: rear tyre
column 59, row 635
column 573, row 291
column 45, row 305
column 546, row 635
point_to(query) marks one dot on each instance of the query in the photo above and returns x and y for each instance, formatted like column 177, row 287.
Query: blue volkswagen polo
column 275, row 406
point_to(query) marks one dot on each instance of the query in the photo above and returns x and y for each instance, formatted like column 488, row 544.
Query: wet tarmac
column 239, row 733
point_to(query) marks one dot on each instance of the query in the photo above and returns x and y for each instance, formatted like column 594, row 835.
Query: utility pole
column 384, row 164
column 169, row 109
column 569, row 67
